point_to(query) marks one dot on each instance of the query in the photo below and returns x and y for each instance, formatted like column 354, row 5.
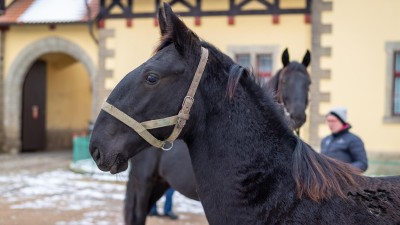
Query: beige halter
column 178, row 120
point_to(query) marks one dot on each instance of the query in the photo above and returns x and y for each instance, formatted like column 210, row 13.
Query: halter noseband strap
column 178, row 120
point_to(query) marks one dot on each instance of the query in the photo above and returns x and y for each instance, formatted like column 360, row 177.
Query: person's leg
column 168, row 204
column 153, row 210
column 168, row 201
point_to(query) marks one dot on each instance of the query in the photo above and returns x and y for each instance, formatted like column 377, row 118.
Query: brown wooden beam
column 195, row 10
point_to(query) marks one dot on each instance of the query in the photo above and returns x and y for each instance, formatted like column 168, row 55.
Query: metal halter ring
column 167, row 148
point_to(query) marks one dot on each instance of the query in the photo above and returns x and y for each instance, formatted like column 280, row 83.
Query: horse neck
column 238, row 148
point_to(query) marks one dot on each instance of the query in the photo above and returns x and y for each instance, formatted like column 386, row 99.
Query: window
column 260, row 59
column 392, row 86
column 396, row 84
column 264, row 65
column 244, row 60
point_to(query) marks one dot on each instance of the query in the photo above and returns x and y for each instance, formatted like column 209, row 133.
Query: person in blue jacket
column 341, row 144
column 167, row 206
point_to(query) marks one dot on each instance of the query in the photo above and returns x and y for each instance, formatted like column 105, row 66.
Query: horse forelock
column 320, row 177
column 295, row 67
column 191, row 49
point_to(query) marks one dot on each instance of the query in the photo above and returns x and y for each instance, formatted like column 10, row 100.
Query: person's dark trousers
column 168, row 201
column 167, row 206
column 153, row 210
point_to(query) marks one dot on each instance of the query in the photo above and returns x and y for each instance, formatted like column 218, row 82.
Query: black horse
column 290, row 86
column 153, row 172
column 249, row 166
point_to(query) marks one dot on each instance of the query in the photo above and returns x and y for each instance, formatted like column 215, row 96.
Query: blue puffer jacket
column 347, row 147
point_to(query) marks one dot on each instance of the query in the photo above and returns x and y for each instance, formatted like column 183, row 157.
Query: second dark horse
column 153, row 172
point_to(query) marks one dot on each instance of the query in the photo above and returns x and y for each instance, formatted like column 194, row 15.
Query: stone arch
column 16, row 76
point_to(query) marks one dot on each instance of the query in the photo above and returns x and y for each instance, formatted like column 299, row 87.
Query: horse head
column 154, row 90
column 291, row 86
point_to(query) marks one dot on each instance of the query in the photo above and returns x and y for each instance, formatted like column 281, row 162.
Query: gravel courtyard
column 39, row 188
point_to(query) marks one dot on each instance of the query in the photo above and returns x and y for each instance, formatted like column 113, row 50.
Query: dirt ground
column 39, row 189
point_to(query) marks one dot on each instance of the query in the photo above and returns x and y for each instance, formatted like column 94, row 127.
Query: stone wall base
column 383, row 163
column 60, row 139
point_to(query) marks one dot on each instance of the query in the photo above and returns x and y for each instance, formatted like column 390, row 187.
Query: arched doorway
column 56, row 103
column 63, row 57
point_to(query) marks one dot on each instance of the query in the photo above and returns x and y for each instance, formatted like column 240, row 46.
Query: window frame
column 254, row 51
column 391, row 49
column 396, row 74
column 257, row 65
column 237, row 55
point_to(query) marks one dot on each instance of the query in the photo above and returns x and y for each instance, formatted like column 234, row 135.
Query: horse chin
column 295, row 122
column 119, row 167
column 296, row 125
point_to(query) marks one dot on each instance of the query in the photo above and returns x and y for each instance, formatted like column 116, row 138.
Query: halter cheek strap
column 178, row 120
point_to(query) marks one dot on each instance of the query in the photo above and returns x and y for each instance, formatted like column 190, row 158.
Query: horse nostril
column 96, row 154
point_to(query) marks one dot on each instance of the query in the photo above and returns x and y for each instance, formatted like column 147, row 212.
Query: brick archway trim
column 16, row 76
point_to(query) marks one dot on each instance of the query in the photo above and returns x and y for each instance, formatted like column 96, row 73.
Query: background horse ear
column 307, row 59
column 185, row 40
column 285, row 57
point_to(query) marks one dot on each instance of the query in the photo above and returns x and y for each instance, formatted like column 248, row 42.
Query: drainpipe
column 2, row 147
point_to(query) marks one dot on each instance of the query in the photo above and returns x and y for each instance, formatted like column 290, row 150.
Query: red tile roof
column 16, row 12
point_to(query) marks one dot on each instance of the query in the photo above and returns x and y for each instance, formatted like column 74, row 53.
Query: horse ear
column 285, row 57
column 184, row 39
column 307, row 59
column 161, row 21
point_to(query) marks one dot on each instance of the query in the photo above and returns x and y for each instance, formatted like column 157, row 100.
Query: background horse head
column 291, row 85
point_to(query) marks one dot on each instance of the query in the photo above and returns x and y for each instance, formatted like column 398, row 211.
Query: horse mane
column 320, row 177
column 274, row 82
column 235, row 74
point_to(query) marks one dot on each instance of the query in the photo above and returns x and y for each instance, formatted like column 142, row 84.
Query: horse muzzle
column 115, row 164
column 298, row 120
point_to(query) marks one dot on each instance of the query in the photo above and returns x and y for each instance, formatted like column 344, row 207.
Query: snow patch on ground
column 63, row 189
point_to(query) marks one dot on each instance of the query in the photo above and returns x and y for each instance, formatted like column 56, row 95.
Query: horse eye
column 151, row 78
